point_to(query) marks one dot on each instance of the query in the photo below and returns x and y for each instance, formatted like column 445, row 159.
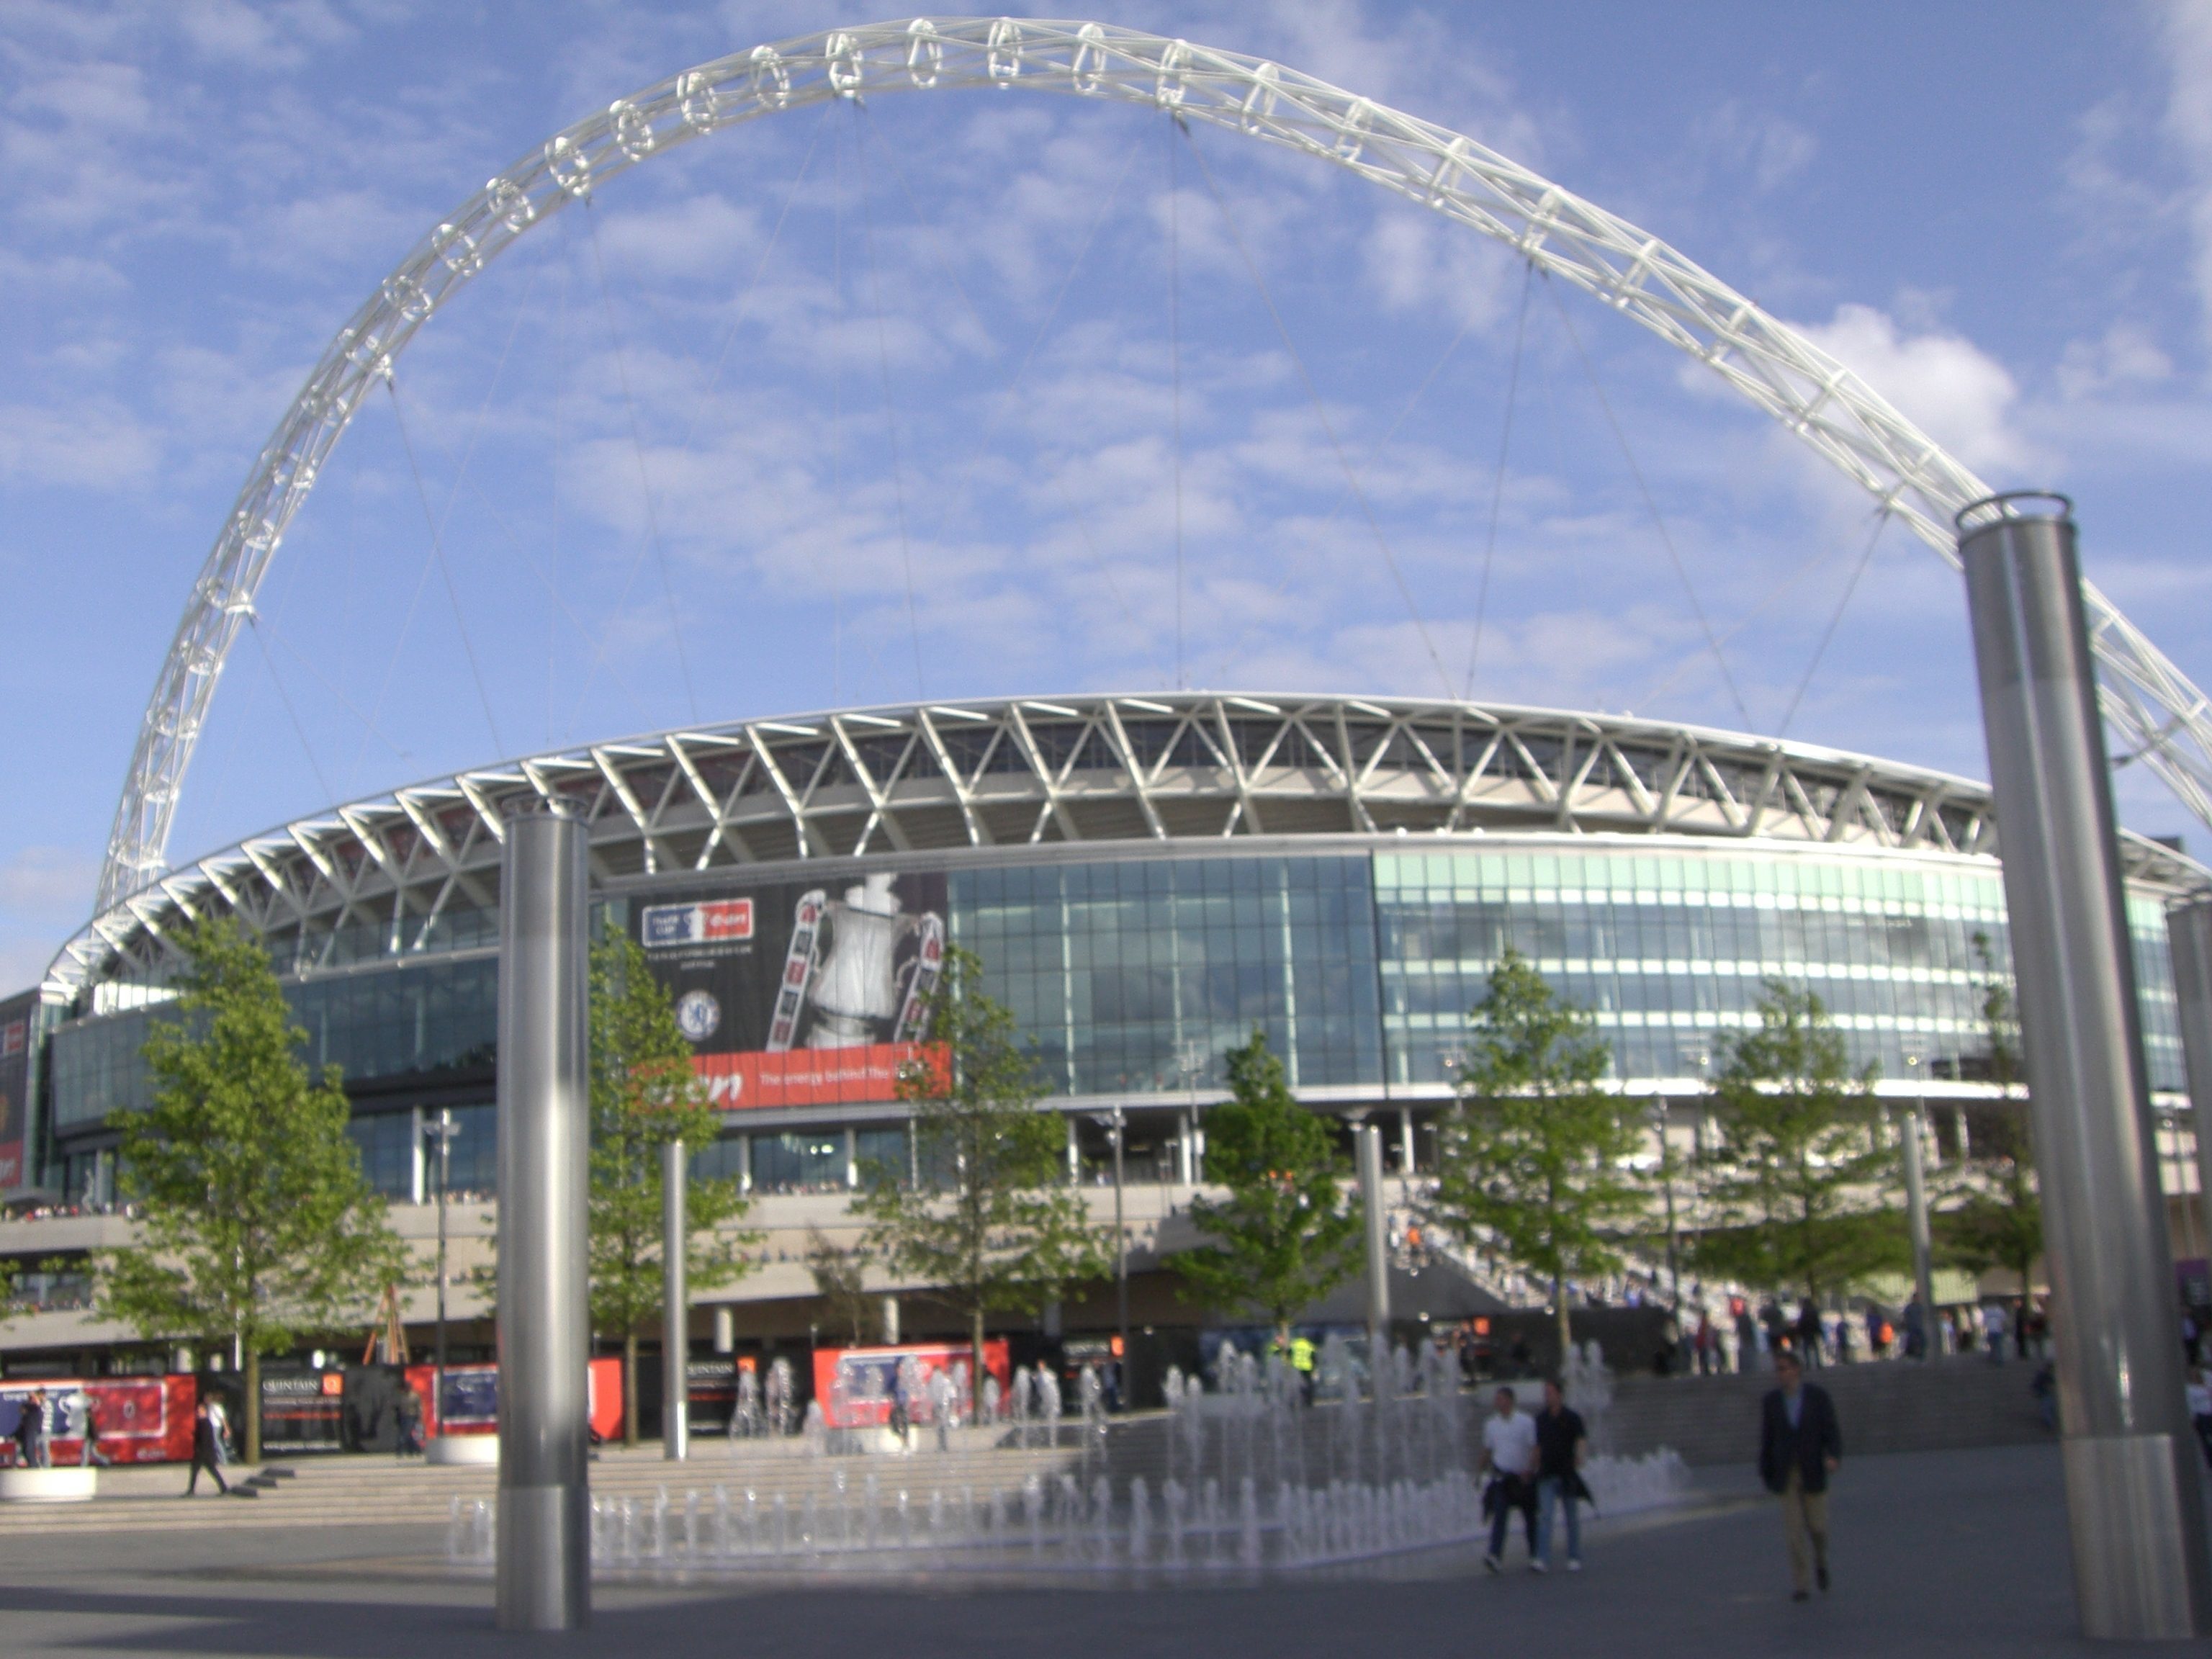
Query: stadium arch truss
column 1184, row 767
column 2160, row 717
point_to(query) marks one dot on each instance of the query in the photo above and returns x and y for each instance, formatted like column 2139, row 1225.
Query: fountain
column 1240, row 1482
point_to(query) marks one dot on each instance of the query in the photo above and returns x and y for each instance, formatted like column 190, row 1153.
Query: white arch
column 2158, row 712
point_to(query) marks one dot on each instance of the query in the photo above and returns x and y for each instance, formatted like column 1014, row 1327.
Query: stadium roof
column 1182, row 766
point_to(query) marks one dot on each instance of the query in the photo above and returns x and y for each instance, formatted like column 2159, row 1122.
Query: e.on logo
column 718, row 921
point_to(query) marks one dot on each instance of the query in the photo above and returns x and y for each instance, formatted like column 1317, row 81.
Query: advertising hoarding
column 16, row 1014
column 470, row 1400
column 801, row 995
column 137, row 1420
column 855, row 1385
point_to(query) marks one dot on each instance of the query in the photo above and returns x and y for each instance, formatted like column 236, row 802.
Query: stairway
column 360, row 1491
column 1883, row 1407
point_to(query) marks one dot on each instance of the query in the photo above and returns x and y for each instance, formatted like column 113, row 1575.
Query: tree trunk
column 629, row 1388
column 975, row 1365
column 1566, row 1328
column 250, row 1451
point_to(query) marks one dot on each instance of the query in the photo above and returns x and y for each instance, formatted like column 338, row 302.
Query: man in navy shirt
column 1799, row 1448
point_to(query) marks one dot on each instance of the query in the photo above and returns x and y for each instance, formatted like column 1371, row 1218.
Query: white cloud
column 100, row 446
column 2186, row 28
column 1768, row 147
column 2126, row 357
column 1961, row 395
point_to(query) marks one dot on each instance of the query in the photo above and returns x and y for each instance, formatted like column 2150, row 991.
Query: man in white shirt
column 1995, row 1329
column 1509, row 1457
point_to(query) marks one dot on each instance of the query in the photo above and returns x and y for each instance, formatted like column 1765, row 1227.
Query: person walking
column 2200, row 1410
column 1809, row 1332
column 1799, row 1446
column 1562, row 1442
column 220, row 1418
column 204, row 1440
column 1993, row 1331
column 84, row 1418
column 1746, row 1336
column 31, row 1448
column 1508, row 1456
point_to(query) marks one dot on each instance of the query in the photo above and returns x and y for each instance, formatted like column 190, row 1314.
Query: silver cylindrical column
column 1914, row 1129
column 544, row 1147
column 1369, row 1140
column 2131, row 1460
column 2189, row 934
column 675, row 1306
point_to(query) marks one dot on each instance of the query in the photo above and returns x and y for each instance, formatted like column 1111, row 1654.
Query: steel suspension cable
column 1866, row 558
column 1312, row 539
column 1320, row 412
column 1651, row 504
column 1497, row 484
column 452, row 495
column 890, row 412
column 637, row 447
column 714, row 381
column 1174, row 373
column 445, row 569
column 1666, row 682
column 958, row 494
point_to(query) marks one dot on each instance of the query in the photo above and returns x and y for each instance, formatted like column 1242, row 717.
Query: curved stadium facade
column 1146, row 878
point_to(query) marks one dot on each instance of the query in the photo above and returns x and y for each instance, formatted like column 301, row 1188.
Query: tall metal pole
column 1368, row 1138
column 675, row 1306
column 2189, row 935
column 543, row 1573
column 2139, row 1569
column 1667, row 1175
column 1916, row 1211
column 1120, row 1267
column 445, row 1132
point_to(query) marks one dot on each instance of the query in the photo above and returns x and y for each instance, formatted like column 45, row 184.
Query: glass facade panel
column 1672, row 953
column 1134, row 976
column 417, row 1020
column 813, row 1162
column 1137, row 976
column 387, row 1142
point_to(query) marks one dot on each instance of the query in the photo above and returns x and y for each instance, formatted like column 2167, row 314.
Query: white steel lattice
column 2159, row 715
column 940, row 779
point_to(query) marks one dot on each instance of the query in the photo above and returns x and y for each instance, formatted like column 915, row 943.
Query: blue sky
column 842, row 407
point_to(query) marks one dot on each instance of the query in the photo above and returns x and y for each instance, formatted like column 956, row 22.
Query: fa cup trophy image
column 844, row 962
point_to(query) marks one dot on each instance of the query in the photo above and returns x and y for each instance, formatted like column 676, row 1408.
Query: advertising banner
column 16, row 1017
column 134, row 1419
column 468, row 1403
column 801, row 995
column 303, row 1412
column 856, row 1385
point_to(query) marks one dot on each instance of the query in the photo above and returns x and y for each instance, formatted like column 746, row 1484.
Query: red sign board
column 137, row 1420
column 470, row 1405
column 813, row 1077
column 856, row 1385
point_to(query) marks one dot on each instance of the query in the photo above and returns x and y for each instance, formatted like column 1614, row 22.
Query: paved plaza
column 1944, row 1552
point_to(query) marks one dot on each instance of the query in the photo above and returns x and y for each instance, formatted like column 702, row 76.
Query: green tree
column 1997, row 1222
column 1799, row 1179
column 1282, row 1238
column 841, row 1280
column 645, row 1094
column 991, row 1228
column 1533, row 1155
column 257, row 1224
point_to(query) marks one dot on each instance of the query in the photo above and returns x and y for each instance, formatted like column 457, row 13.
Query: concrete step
column 1880, row 1407
column 354, row 1491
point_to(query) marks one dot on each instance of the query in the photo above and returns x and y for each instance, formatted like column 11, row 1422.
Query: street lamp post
column 1113, row 1122
column 442, row 1129
column 1916, row 1209
column 1666, row 1183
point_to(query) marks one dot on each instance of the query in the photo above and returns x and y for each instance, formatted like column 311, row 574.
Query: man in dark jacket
column 1799, row 1448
